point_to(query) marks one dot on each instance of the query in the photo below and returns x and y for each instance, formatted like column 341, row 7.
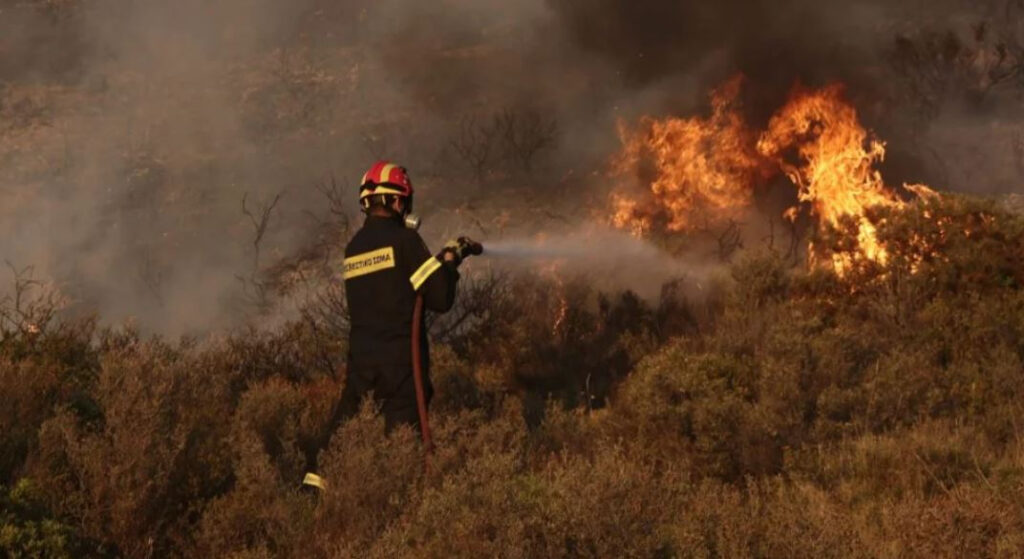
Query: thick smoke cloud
column 131, row 131
column 648, row 41
column 898, row 60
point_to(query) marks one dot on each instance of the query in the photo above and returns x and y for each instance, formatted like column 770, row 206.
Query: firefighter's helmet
column 384, row 178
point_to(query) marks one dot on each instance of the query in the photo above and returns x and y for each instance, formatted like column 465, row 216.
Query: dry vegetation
column 793, row 413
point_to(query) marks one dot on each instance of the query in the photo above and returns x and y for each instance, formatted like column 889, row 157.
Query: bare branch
column 27, row 313
column 474, row 144
column 254, row 287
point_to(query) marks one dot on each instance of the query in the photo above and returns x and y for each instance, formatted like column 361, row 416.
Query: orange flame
column 700, row 165
column 713, row 166
column 553, row 272
column 838, row 176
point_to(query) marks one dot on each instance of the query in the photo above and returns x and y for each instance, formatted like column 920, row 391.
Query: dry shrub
column 283, row 416
column 295, row 351
column 925, row 461
column 614, row 505
column 702, row 406
column 871, row 415
column 380, row 489
column 263, row 513
column 457, row 385
column 972, row 522
column 577, row 432
column 544, row 337
column 29, row 391
column 449, row 521
column 372, row 480
column 562, row 505
column 46, row 363
column 135, row 478
column 770, row 518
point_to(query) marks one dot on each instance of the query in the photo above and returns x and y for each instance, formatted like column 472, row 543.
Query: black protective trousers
column 394, row 393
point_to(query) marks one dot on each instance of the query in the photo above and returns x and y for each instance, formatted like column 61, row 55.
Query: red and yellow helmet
column 385, row 177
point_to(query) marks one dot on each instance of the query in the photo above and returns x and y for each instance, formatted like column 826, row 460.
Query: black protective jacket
column 385, row 265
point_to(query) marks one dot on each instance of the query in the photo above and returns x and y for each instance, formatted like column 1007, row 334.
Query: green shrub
column 28, row 529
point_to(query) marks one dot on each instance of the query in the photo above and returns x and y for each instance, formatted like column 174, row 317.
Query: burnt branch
column 326, row 315
column 255, row 288
column 335, row 197
column 509, row 139
column 525, row 134
column 477, row 298
column 30, row 309
column 474, row 143
column 728, row 239
column 260, row 220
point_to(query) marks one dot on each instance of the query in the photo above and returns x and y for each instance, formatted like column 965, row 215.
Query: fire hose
column 461, row 248
column 417, row 375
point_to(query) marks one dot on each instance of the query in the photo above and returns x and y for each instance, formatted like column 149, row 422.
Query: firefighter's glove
column 461, row 248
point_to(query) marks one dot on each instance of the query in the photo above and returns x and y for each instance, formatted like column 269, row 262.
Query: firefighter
column 386, row 265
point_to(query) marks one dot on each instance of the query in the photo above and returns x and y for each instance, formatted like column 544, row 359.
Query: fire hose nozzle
column 462, row 247
column 470, row 247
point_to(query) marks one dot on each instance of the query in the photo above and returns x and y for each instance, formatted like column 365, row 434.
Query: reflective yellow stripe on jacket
column 425, row 271
column 369, row 262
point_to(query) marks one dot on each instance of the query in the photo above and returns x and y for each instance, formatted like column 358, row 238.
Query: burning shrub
column 695, row 167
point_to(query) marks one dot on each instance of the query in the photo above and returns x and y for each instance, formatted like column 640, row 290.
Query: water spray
column 613, row 259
